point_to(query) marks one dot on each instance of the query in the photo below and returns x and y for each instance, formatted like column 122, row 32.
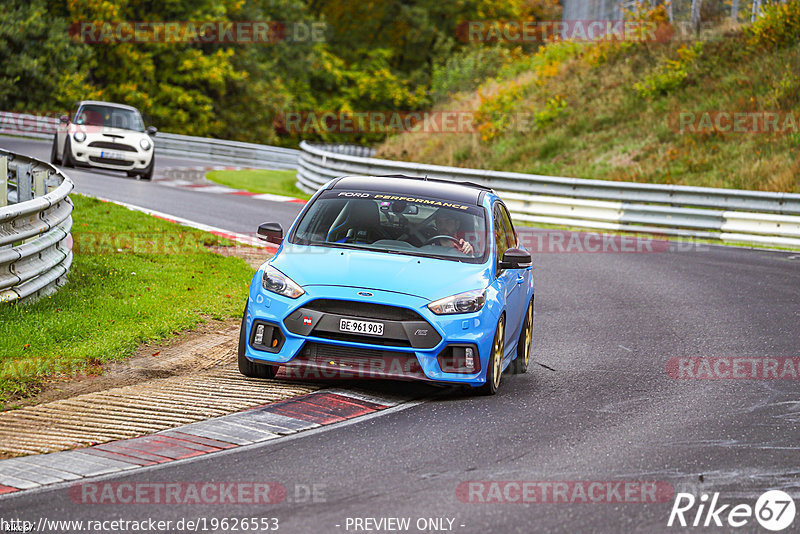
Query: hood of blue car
column 427, row 278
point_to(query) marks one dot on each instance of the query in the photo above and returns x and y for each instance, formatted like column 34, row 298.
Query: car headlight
column 279, row 283
column 79, row 137
column 144, row 143
column 468, row 302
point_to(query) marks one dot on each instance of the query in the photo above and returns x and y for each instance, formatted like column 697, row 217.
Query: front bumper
column 304, row 334
column 133, row 158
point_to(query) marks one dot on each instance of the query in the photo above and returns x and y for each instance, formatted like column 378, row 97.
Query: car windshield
column 109, row 117
column 398, row 224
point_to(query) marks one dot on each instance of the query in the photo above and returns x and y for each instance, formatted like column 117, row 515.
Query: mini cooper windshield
column 109, row 117
column 397, row 224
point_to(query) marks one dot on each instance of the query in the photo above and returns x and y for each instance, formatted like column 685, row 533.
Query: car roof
column 112, row 104
column 464, row 192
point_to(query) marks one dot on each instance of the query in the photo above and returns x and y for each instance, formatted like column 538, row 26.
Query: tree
column 41, row 65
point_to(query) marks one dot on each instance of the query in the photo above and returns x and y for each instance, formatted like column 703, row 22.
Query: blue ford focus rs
column 393, row 277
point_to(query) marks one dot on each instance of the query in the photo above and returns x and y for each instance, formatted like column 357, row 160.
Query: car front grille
column 346, row 362
column 403, row 327
column 112, row 146
column 364, row 310
column 368, row 340
column 111, row 161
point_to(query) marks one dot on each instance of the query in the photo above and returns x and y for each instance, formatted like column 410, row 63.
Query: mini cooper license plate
column 361, row 327
column 112, row 155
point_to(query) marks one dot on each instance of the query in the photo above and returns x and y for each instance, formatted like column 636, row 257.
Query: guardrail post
column 39, row 185
column 3, row 181
column 24, row 185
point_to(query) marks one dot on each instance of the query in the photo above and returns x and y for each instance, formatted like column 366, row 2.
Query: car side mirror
column 516, row 258
column 271, row 233
column 151, row 131
column 64, row 119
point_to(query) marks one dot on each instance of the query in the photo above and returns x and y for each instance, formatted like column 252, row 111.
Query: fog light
column 266, row 337
column 468, row 360
column 459, row 359
column 259, row 334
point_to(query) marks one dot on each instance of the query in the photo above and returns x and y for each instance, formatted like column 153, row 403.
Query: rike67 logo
column 774, row 510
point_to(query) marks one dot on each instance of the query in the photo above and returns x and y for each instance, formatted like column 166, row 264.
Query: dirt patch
column 210, row 345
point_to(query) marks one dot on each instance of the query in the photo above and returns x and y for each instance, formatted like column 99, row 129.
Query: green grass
column 609, row 130
column 134, row 279
column 260, row 181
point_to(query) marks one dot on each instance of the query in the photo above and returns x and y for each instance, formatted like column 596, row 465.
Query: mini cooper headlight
column 279, row 283
column 144, row 143
column 468, row 302
column 79, row 137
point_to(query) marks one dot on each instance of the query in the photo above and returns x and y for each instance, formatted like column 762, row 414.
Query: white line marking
column 234, row 236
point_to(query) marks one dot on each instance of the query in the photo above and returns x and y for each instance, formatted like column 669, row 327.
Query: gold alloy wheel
column 499, row 344
column 528, row 336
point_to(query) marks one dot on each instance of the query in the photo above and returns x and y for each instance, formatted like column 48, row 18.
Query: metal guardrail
column 40, row 127
column 168, row 144
column 35, row 224
column 698, row 212
column 724, row 214
column 230, row 152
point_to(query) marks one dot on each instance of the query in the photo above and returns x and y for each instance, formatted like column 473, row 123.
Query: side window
column 511, row 235
column 499, row 231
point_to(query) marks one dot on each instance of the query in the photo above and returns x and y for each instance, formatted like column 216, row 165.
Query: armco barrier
column 167, row 144
column 702, row 212
column 697, row 212
column 227, row 152
column 35, row 224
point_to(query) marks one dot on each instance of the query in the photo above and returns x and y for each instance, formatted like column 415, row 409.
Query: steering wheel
column 437, row 237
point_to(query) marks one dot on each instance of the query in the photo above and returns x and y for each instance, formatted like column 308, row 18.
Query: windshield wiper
column 337, row 245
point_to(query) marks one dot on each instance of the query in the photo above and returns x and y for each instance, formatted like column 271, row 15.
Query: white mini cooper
column 105, row 135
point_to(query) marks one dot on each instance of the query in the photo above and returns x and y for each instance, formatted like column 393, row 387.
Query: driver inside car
column 448, row 224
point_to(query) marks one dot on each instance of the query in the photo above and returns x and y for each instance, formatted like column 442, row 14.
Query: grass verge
column 614, row 111
column 134, row 279
column 260, row 181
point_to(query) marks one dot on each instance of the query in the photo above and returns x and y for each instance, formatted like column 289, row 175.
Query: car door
column 506, row 278
column 516, row 280
column 522, row 277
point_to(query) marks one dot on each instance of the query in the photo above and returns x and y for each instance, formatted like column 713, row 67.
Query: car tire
column 520, row 363
column 54, row 151
column 148, row 172
column 494, row 369
column 246, row 367
column 66, row 160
